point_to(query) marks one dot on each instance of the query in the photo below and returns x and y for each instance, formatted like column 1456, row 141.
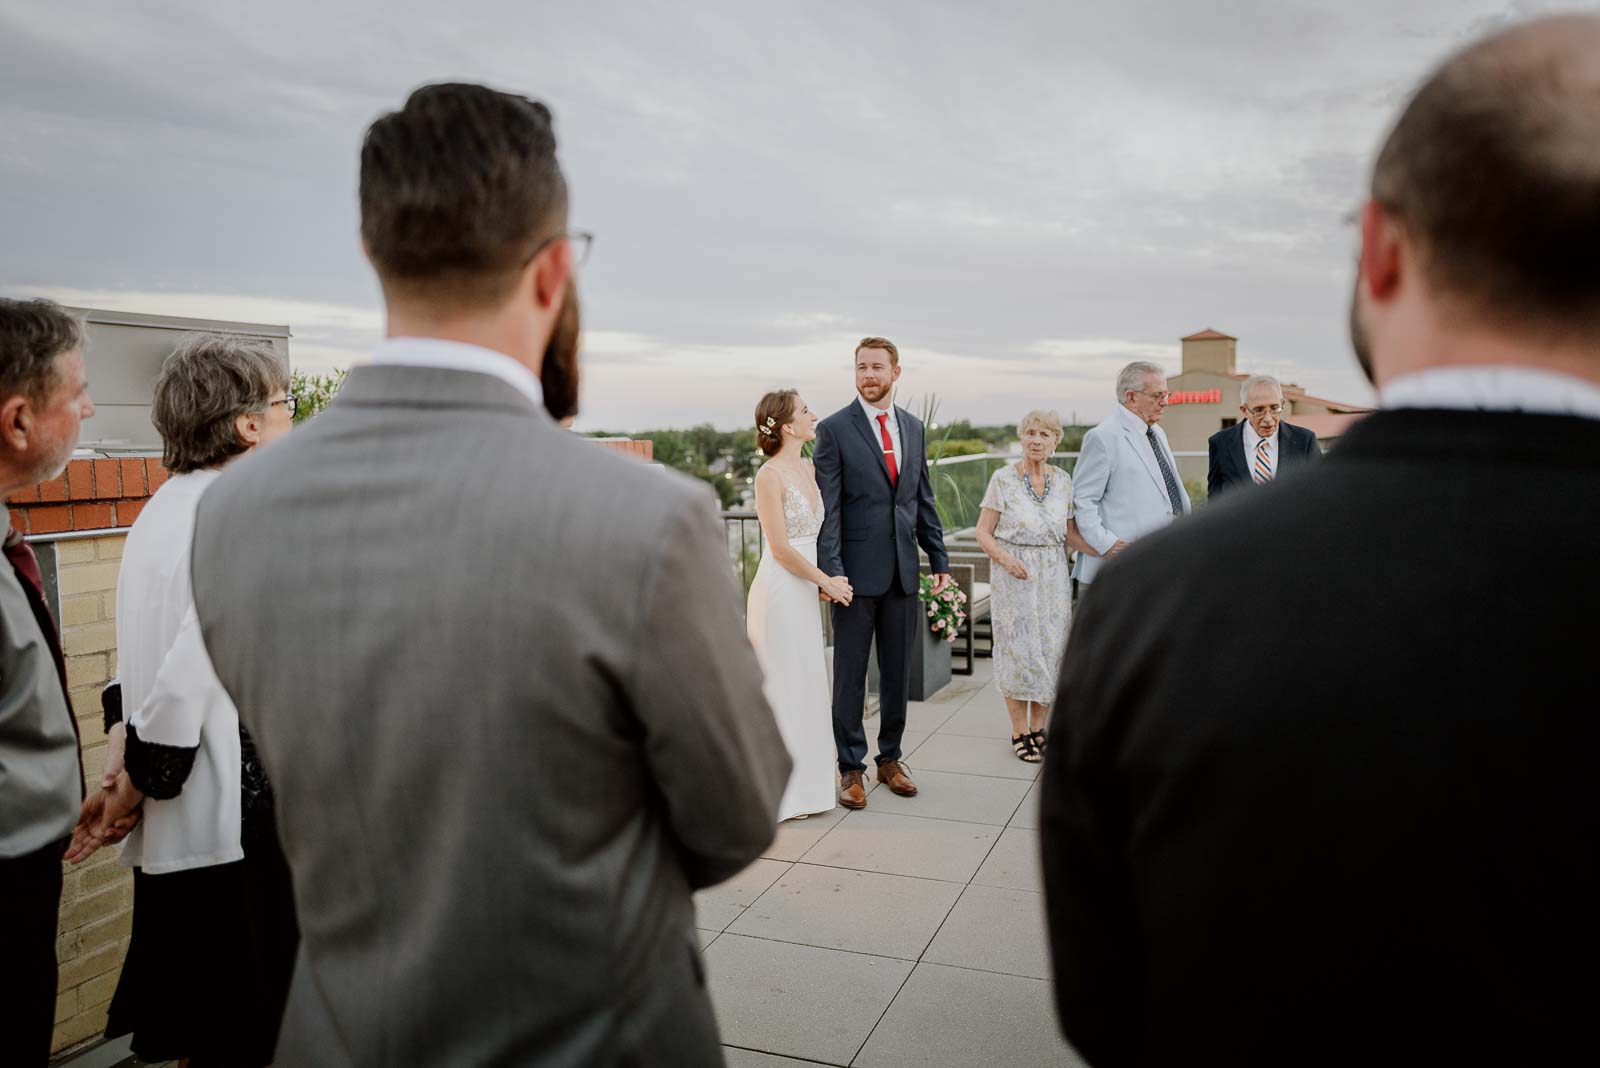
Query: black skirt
column 210, row 958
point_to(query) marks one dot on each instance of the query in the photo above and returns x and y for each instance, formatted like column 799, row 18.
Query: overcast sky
column 1023, row 196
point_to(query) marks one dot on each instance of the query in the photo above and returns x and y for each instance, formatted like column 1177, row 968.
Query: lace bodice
column 801, row 518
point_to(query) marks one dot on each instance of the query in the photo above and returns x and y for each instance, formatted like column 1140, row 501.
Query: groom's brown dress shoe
column 892, row 774
column 853, row 790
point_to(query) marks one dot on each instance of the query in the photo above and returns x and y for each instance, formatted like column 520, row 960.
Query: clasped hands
column 837, row 589
column 110, row 812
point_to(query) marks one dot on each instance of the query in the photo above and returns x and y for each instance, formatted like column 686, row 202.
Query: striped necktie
column 1262, row 471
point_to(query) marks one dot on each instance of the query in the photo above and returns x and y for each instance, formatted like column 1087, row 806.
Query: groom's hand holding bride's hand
column 837, row 589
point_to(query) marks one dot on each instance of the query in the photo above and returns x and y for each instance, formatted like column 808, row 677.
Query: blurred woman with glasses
column 214, row 933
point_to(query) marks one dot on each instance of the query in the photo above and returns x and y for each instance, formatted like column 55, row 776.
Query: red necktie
column 26, row 565
column 888, row 449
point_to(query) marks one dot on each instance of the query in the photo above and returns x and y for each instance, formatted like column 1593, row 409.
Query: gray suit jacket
column 40, row 788
column 500, row 682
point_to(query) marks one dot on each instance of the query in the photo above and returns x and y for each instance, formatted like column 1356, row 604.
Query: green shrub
column 313, row 392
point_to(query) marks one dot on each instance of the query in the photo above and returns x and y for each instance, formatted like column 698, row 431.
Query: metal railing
column 959, row 483
column 744, row 549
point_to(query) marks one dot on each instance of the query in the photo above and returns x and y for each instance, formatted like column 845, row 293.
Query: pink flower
column 938, row 624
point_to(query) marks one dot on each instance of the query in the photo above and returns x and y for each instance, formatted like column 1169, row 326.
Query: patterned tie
column 1173, row 493
column 23, row 561
column 888, row 449
column 1263, row 467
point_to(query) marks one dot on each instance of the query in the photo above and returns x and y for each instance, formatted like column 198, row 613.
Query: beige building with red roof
column 1205, row 399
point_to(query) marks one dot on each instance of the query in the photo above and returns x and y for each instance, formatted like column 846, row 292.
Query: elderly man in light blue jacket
column 1126, row 482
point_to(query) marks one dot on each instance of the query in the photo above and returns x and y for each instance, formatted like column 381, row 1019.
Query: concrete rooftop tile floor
column 909, row 933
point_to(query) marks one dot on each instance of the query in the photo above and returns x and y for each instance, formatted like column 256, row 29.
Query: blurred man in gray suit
column 44, row 396
column 497, row 675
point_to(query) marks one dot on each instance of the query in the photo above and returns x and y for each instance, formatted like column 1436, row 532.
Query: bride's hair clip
column 766, row 430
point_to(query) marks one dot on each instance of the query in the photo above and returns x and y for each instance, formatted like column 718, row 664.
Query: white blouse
column 173, row 695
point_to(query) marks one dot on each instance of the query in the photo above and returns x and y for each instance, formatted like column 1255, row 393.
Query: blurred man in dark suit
column 1368, row 832
column 1255, row 451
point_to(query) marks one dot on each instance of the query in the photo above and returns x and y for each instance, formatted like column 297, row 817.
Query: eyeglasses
column 1157, row 397
column 289, row 399
column 580, row 240
column 1258, row 411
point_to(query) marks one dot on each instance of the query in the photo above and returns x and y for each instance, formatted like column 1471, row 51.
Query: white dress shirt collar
column 873, row 411
column 1133, row 421
column 459, row 356
column 1495, row 389
column 893, row 425
column 1251, row 437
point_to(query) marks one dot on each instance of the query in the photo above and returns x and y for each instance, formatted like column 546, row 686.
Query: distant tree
column 965, row 447
column 696, row 450
column 313, row 392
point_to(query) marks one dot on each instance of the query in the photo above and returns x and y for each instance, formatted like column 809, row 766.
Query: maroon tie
column 888, row 449
column 26, row 565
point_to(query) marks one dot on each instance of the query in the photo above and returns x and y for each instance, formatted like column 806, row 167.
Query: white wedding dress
column 784, row 622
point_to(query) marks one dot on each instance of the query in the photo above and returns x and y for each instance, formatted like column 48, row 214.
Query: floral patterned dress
column 1030, row 616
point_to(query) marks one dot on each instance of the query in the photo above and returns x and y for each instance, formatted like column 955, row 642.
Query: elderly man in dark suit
column 1257, row 450
column 497, row 675
column 1395, row 858
column 877, row 509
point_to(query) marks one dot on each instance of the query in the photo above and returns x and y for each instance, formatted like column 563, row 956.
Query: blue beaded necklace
column 1038, row 498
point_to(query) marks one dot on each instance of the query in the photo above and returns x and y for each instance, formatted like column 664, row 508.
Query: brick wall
column 97, row 896
column 90, row 495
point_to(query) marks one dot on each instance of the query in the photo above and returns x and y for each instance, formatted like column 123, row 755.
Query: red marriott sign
column 1196, row 396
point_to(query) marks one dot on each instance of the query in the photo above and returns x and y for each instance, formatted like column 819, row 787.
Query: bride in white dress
column 784, row 618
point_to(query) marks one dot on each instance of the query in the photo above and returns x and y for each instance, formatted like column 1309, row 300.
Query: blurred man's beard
column 559, row 372
column 1360, row 340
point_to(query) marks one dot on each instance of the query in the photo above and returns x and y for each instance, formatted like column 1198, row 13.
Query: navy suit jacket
column 1296, row 446
column 870, row 529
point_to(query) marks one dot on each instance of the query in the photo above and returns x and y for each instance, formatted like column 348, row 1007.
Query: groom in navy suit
column 877, row 508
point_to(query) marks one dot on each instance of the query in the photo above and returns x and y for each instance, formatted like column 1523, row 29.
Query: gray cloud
column 766, row 181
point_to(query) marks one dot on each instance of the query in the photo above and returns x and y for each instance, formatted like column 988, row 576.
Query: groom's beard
column 874, row 394
column 559, row 372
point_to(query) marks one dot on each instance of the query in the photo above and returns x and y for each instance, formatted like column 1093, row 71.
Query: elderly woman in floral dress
column 1025, row 528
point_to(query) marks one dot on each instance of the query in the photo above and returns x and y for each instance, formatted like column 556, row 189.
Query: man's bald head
column 1493, row 170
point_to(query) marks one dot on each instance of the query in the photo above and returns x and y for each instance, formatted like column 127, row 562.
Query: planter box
column 930, row 663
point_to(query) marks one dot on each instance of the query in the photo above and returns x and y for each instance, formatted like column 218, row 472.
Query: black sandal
column 1038, row 739
column 1026, row 751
